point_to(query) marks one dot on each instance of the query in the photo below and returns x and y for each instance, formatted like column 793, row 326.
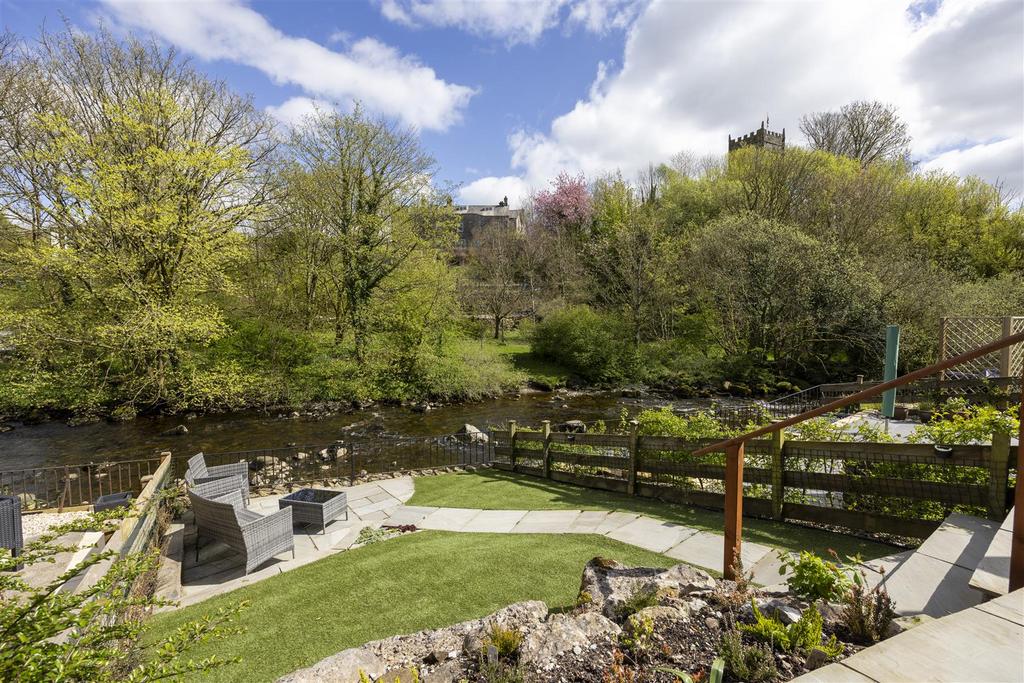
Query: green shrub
column 664, row 422
column 751, row 663
column 636, row 636
column 505, row 640
column 592, row 345
column 960, row 423
column 803, row 635
column 814, row 578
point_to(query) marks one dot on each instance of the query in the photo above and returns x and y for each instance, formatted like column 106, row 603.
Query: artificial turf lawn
column 493, row 489
column 417, row 581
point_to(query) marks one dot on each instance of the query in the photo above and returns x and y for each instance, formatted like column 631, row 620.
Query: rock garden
column 637, row 624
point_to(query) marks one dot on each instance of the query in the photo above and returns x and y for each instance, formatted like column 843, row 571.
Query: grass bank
column 418, row 581
column 496, row 490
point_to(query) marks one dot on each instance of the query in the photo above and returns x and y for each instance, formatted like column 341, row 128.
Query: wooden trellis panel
column 959, row 335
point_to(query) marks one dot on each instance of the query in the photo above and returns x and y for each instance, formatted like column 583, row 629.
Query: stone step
column 934, row 580
column 90, row 543
column 992, row 575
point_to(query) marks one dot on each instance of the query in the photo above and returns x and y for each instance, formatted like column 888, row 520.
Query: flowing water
column 56, row 443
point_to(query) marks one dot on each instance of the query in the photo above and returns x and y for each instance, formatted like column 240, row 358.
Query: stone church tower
column 762, row 137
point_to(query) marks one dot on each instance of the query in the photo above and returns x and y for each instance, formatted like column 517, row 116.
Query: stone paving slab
column 402, row 488
column 961, row 540
column 835, row 673
column 1010, row 607
column 876, row 570
column 652, row 534
column 707, row 550
column 546, row 522
column 409, row 515
column 923, row 584
column 588, row 522
column 448, row 519
column 968, row 646
column 495, row 521
column 992, row 575
column 766, row 570
column 386, row 504
column 614, row 521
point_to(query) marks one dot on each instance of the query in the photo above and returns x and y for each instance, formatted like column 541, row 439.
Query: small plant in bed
column 369, row 534
column 815, row 578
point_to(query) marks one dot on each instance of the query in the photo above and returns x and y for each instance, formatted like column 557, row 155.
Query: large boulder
column 180, row 430
column 343, row 667
column 473, row 435
column 608, row 584
column 562, row 633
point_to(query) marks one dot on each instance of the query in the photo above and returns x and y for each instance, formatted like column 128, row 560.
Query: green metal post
column 892, row 356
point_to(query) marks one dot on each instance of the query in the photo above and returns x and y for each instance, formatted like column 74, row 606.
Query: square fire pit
column 112, row 500
column 315, row 506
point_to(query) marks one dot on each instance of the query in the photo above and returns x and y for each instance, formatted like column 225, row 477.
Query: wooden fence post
column 733, row 510
column 1017, row 530
column 547, row 449
column 512, row 444
column 1005, row 368
column 998, row 475
column 778, row 472
column 634, row 454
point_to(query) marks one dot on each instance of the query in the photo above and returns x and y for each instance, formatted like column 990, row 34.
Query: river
column 56, row 443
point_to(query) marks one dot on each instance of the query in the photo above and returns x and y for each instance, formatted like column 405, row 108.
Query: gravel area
column 35, row 525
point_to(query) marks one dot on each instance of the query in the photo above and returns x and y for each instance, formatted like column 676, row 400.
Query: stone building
column 762, row 137
column 477, row 217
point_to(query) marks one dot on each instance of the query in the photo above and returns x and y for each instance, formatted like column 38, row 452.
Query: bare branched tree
column 498, row 287
column 865, row 131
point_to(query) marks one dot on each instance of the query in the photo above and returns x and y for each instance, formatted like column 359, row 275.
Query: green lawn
column 496, row 490
column 418, row 581
column 517, row 350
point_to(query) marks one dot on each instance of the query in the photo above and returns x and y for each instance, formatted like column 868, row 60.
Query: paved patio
column 219, row 569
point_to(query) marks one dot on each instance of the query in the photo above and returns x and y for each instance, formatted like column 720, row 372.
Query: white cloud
column 1000, row 161
column 370, row 71
column 694, row 72
column 295, row 110
column 513, row 21
column 492, row 190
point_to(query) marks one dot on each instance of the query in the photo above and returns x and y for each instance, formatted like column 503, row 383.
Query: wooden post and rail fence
column 689, row 472
column 734, row 449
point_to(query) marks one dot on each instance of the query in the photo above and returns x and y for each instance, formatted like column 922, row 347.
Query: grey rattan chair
column 219, row 479
column 257, row 537
column 10, row 525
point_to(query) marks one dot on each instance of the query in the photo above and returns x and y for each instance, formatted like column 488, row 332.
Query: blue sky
column 507, row 93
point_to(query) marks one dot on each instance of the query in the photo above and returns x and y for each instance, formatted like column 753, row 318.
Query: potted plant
column 899, row 412
column 925, row 411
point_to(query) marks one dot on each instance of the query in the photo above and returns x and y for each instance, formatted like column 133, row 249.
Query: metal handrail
column 734, row 448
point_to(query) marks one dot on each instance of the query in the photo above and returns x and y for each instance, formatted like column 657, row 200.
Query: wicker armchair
column 257, row 537
column 219, row 479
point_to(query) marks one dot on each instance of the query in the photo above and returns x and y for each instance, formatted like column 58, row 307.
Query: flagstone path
column 376, row 504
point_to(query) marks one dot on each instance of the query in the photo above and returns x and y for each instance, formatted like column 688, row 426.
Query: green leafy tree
column 365, row 185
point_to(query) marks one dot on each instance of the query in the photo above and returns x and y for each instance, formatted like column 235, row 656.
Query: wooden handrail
column 734, row 448
column 861, row 396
